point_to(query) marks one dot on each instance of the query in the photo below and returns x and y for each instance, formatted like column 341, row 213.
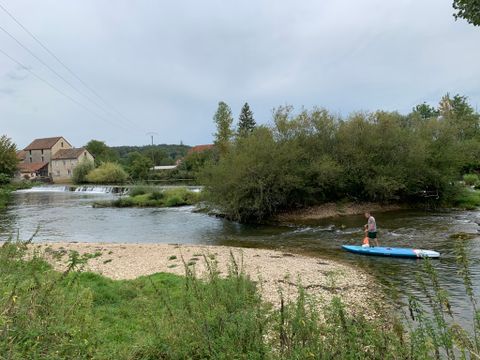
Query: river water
column 69, row 216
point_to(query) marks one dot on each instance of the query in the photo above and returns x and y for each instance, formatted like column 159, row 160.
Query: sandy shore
column 335, row 209
column 273, row 270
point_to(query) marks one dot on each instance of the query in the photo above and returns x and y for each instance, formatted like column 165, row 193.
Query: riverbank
column 330, row 210
column 272, row 270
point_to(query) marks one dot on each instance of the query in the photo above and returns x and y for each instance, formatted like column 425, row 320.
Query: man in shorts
column 371, row 228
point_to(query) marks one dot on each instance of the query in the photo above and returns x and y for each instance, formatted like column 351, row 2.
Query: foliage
column 246, row 122
column 138, row 166
column 314, row 157
column 162, row 154
column 149, row 196
column 471, row 179
column 425, row 111
column 468, row 10
column 101, row 152
column 8, row 158
column 81, row 171
column 468, row 199
column 223, row 120
column 107, row 173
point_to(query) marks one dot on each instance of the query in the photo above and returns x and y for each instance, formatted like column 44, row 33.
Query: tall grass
column 45, row 314
column 146, row 196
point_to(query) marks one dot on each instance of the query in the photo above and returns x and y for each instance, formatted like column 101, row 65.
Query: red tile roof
column 68, row 154
column 200, row 148
column 31, row 167
column 45, row 143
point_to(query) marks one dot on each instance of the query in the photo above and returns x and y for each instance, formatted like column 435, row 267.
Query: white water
column 50, row 188
column 95, row 189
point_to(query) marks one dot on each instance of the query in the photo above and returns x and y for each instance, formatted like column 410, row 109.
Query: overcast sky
column 162, row 66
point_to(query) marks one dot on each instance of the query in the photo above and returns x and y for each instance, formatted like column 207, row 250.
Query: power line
column 24, row 67
column 113, row 110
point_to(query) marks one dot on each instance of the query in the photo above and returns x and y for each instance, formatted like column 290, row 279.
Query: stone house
column 52, row 158
column 64, row 161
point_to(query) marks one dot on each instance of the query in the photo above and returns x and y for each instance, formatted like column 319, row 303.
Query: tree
column 108, row 173
column 81, row 171
column 138, row 165
column 8, row 157
column 101, row 152
column 425, row 111
column 246, row 122
column 223, row 119
column 468, row 10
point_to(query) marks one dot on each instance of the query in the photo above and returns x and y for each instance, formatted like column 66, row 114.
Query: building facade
column 66, row 160
column 50, row 158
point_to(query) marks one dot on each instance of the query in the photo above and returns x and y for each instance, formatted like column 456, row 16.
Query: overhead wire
column 26, row 68
column 106, row 107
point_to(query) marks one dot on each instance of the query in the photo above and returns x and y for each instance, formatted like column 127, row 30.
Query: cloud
column 165, row 65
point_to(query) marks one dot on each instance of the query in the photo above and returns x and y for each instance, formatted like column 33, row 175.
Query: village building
column 51, row 159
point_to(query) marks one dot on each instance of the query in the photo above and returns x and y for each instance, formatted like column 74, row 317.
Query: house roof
column 21, row 154
column 68, row 154
column 31, row 167
column 200, row 148
column 45, row 143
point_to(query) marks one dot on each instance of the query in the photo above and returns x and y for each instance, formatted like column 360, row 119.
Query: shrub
column 140, row 190
column 82, row 170
column 107, row 173
column 4, row 179
column 471, row 179
column 8, row 156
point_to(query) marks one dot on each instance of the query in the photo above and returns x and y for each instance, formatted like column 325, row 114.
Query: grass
column 45, row 314
column 142, row 196
column 467, row 198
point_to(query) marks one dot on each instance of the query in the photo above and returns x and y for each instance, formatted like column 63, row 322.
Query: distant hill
column 163, row 154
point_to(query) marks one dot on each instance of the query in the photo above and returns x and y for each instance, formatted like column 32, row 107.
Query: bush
column 107, row 173
column 4, row 179
column 8, row 156
column 81, row 171
column 471, row 179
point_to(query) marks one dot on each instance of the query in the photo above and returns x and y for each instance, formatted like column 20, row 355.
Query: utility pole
column 151, row 134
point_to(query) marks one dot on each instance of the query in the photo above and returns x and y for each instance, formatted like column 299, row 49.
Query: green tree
column 101, row 152
column 223, row 119
column 425, row 111
column 81, row 171
column 468, row 10
column 138, row 166
column 108, row 173
column 246, row 122
column 8, row 157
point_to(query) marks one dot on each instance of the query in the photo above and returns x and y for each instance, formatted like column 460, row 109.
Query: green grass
column 141, row 196
column 467, row 198
column 45, row 314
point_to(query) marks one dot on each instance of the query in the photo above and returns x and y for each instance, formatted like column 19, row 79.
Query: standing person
column 371, row 228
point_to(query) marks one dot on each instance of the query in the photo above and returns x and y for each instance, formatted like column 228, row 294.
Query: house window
column 42, row 151
column 58, row 172
column 43, row 160
column 69, row 172
column 61, row 144
column 31, row 160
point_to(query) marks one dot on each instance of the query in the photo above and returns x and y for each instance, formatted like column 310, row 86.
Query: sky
column 154, row 66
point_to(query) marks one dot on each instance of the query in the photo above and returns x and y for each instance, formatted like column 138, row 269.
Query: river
column 69, row 216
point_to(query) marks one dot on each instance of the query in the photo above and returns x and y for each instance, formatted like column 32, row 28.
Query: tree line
column 314, row 156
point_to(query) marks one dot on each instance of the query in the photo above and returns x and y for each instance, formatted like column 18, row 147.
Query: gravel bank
column 274, row 270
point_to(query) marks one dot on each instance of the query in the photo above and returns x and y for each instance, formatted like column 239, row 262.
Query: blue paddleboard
column 392, row 251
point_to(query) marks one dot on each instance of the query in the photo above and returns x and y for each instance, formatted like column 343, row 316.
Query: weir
column 96, row 189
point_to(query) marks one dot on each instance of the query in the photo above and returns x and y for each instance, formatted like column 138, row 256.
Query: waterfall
column 83, row 189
